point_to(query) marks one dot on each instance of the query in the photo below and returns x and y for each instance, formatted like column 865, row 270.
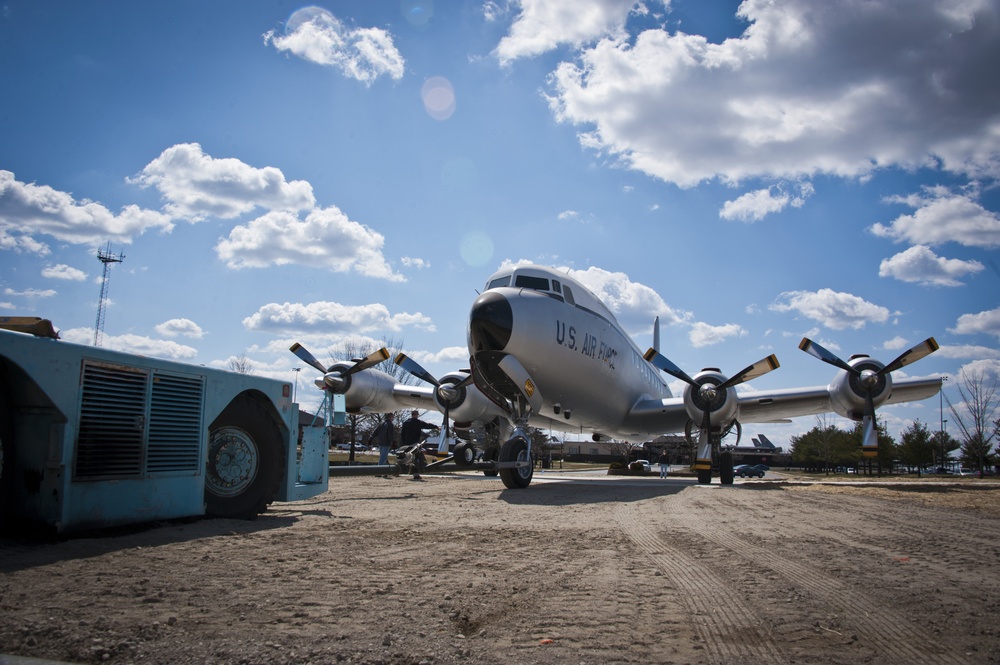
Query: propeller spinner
column 870, row 380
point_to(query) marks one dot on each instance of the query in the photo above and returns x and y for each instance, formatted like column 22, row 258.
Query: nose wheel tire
column 516, row 450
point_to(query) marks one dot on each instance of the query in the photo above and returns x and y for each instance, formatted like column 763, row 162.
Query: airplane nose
column 490, row 322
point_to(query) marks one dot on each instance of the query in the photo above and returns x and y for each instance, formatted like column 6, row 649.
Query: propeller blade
column 660, row 362
column 925, row 348
column 414, row 368
column 817, row 351
column 370, row 360
column 759, row 368
column 304, row 355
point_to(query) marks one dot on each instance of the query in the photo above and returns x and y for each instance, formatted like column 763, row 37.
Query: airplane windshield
column 499, row 282
column 529, row 282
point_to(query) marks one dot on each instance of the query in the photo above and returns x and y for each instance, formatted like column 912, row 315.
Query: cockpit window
column 529, row 282
column 556, row 286
column 568, row 294
column 499, row 282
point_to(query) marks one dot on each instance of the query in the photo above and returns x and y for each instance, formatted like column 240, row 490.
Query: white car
column 646, row 467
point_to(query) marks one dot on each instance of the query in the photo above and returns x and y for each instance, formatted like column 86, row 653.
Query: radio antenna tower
column 107, row 258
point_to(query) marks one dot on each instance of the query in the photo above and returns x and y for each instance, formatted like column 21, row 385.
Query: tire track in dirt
column 872, row 622
column 728, row 629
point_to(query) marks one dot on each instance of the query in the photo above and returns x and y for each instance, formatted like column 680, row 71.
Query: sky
column 751, row 173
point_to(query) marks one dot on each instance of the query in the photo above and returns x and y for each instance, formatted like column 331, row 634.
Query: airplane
column 544, row 351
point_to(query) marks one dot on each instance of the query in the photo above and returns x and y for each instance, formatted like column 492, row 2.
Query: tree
column 240, row 364
column 976, row 416
column 944, row 444
column 916, row 446
column 824, row 446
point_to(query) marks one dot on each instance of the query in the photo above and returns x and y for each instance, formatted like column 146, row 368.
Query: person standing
column 383, row 437
column 664, row 461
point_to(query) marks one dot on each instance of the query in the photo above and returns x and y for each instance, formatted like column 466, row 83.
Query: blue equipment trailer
column 93, row 438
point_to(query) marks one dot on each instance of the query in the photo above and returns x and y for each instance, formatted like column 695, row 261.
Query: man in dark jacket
column 383, row 437
column 410, row 435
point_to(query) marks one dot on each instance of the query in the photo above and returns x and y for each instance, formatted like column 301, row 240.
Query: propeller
column 870, row 380
column 709, row 397
column 335, row 379
column 448, row 394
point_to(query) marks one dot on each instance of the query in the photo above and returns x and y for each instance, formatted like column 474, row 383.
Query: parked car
column 757, row 470
column 646, row 467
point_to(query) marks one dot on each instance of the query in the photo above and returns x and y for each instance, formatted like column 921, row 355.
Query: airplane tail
column 765, row 442
column 656, row 334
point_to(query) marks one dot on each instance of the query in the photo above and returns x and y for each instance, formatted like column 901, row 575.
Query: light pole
column 941, row 430
column 296, row 388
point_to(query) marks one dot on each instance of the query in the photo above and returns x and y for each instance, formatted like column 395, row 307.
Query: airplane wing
column 767, row 406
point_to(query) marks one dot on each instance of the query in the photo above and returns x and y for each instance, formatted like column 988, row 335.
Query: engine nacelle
column 723, row 405
column 847, row 391
column 370, row 390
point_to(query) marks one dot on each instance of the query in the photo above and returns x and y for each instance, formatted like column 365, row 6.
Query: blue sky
column 750, row 172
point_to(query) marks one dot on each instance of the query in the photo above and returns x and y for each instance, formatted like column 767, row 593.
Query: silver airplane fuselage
column 587, row 370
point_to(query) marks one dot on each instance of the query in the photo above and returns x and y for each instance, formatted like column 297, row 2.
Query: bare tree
column 240, row 364
column 976, row 415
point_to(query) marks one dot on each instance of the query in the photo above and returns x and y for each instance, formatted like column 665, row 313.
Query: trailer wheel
column 465, row 454
column 516, row 450
column 244, row 462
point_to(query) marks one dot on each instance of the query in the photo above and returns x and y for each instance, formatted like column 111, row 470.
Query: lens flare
column 476, row 248
column 438, row 97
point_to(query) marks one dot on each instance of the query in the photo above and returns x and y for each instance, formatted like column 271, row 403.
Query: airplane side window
column 499, row 282
column 568, row 294
column 529, row 282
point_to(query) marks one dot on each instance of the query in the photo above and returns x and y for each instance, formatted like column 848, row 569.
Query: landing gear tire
column 245, row 464
column 465, row 454
column 705, row 477
column 491, row 455
column 516, row 450
column 726, row 468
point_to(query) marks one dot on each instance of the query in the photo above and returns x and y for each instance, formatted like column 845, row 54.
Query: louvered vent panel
column 174, row 424
column 112, row 422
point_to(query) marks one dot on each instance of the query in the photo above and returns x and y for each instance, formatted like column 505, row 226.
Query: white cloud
column 986, row 322
column 175, row 327
column 895, row 344
column 157, row 348
column 832, row 309
column 450, row 354
column 634, row 304
column 972, row 351
column 413, row 262
column 920, row 265
column 196, row 185
column 542, row 25
column 30, row 293
column 28, row 210
column 332, row 317
column 316, row 35
column 702, row 334
column 808, row 88
column 326, row 238
column 755, row 206
column 63, row 271
column 942, row 216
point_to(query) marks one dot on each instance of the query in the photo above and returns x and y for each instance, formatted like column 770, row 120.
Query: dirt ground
column 581, row 570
